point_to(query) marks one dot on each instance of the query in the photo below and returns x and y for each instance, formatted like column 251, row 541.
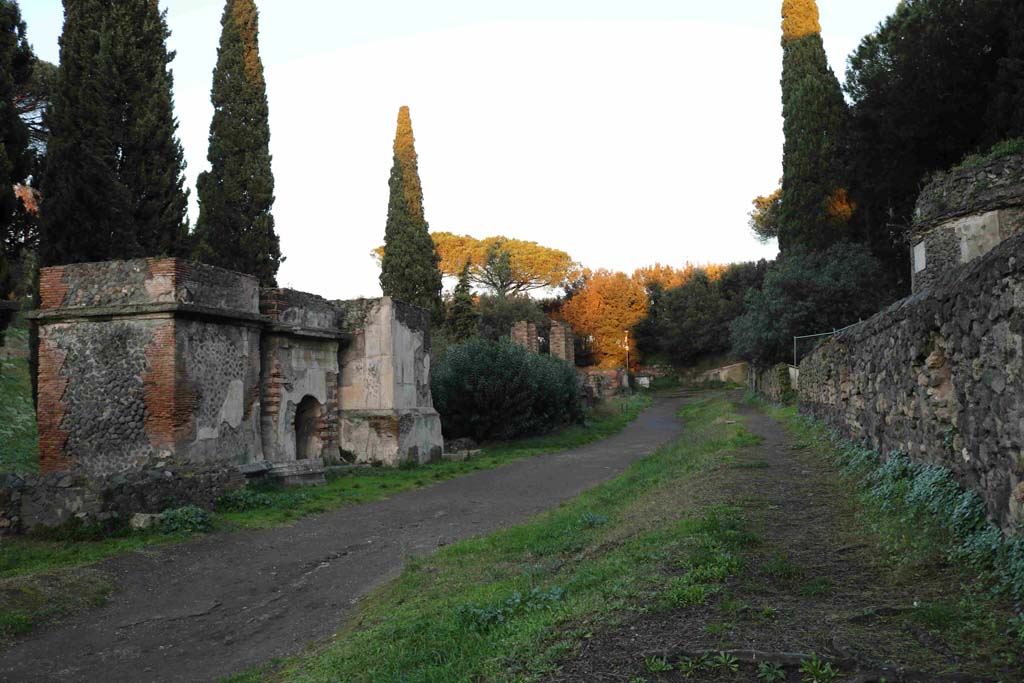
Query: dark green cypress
column 462, row 316
column 113, row 183
column 81, row 222
column 236, row 227
column 410, row 267
column 815, row 208
column 153, row 163
column 15, row 156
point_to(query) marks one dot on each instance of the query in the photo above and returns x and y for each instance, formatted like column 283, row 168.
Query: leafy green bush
column 482, row 619
column 188, row 519
column 490, row 390
column 806, row 293
column 918, row 492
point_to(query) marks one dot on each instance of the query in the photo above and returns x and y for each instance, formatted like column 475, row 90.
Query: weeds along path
column 802, row 590
column 206, row 609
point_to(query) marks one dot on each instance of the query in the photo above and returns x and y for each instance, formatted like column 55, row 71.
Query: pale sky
column 622, row 132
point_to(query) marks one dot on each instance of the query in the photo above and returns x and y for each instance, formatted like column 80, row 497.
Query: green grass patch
column 27, row 601
column 18, row 437
column 507, row 605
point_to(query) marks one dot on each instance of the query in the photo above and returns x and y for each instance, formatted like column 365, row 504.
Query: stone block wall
column 962, row 215
column 604, row 383
column 737, row 373
column 939, row 376
column 146, row 282
column 562, row 342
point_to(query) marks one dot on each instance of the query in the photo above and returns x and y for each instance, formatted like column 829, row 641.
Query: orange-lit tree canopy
column 764, row 219
column 529, row 266
column 665, row 276
column 669, row 277
column 799, row 19
column 606, row 309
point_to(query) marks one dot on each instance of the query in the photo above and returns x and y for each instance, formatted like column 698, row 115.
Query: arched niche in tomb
column 308, row 421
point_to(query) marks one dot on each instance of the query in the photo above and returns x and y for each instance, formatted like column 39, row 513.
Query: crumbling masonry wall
column 166, row 380
column 562, row 343
column 963, row 214
column 146, row 363
column 524, row 334
column 388, row 414
column 300, row 363
column 939, row 376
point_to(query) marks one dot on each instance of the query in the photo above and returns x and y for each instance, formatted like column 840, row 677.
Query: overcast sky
column 622, row 132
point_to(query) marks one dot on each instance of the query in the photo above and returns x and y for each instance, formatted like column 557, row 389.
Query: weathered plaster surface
column 387, row 413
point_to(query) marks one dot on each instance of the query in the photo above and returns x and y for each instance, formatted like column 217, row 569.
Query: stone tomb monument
column 962, row 215
column 168, row 364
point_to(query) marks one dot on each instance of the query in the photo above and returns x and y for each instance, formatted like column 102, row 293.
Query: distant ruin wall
column 388, row 413
column 939, row 376
column 524, row 334
column 737, row 373
column 562, row 343
column 777, row 383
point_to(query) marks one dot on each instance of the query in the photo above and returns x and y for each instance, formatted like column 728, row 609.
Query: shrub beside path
column 226, row 602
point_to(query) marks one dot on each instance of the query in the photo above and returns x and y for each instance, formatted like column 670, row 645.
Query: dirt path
column 816, row 581
column 210, row 608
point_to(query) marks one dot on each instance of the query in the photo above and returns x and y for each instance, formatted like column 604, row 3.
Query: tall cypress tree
column 462, row 317
column 153, row 163
column 113, row 183
column 815, row 207
column 15, row 157
column 236, row 227
column 410, row 267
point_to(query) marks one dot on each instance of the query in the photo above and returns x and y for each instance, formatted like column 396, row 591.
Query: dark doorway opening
column 307, row 429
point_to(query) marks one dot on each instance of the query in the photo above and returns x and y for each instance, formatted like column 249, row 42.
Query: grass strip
column 922, row 508
column 932, row 531
column 18, row 437
column 487, row 608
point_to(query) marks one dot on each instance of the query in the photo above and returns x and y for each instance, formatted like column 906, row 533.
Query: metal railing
column 816, row 336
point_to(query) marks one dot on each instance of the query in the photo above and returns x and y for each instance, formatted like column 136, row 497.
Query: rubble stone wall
column 939, row 376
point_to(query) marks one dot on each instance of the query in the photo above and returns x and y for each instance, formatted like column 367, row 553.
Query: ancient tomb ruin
column 169, row 364
column 964, row 214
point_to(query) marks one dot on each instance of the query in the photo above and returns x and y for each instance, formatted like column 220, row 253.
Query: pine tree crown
column 799, row 20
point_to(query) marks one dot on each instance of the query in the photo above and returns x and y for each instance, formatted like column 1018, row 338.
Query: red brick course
column 52, row 385
column 52, row 288
column 170, row 404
